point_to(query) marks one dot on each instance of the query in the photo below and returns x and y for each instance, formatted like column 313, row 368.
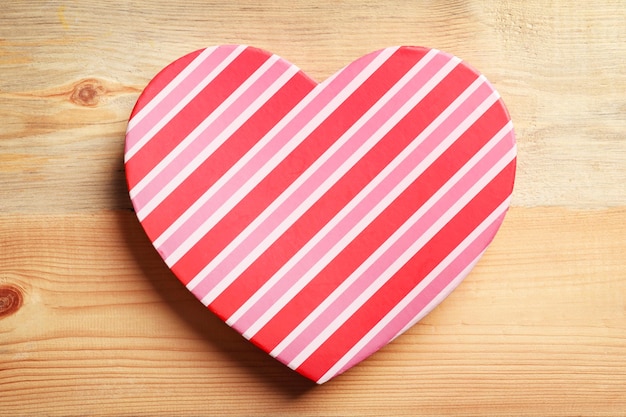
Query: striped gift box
column 320, row 221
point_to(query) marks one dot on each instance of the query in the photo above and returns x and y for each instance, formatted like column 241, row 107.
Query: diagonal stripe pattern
column 320, row 221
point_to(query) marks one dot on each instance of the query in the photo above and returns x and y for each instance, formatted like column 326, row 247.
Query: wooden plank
column 539, row 327
column 73, row 70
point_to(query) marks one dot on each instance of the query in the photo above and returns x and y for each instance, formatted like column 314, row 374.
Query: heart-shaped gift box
column 320, row 221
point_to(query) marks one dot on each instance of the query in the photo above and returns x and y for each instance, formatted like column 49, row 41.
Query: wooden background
column 93, row 323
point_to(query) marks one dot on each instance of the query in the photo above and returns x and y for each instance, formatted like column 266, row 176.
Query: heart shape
column 320, row 221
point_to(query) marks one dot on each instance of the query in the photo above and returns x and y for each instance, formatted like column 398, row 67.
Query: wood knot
column 10, row 300
column 87, row 93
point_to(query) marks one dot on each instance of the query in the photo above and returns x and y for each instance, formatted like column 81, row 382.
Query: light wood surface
column 93, row 323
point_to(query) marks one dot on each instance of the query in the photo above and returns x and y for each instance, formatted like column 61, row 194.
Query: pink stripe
column 399, row 247
column 322, row 174
column 363, row 208
column 417, row 305
column 265, row 154
column 210, row 133
column 177, row 94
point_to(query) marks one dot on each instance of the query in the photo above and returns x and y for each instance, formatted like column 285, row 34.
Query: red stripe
column 294, row 165
column 162, row 79
column 408, row 276
column 227, row 155
column 194, row 113
column 339, row 195
column 384, row 225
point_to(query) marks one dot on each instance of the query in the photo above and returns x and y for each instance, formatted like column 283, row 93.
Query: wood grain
column 93, row 323
column 116, row 333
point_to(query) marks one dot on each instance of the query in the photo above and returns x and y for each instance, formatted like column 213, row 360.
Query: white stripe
column 195, row 63
column 400, row 261
column 376, row 210
column 181, row 104
column 191, row 137
column 415, row 292
column 273, row 162
column 316, row 194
